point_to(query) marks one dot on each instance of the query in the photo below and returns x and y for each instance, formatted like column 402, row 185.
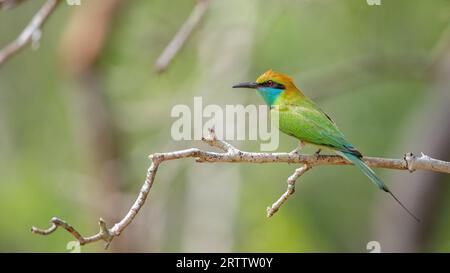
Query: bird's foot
column 317, row 153
column 300, row 146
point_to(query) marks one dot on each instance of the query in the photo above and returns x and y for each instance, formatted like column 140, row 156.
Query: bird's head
column 271, row 85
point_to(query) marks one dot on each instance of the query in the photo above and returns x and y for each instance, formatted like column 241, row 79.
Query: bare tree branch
column 31, row 33
column 103, row 234
column 289, row 191
column 182, row 35
column 231, row 154
column 9, row 4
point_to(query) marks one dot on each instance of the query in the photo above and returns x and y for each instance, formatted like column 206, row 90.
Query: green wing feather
column 307, row 122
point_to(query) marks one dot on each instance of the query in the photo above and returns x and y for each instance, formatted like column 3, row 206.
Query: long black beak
column 251, row 85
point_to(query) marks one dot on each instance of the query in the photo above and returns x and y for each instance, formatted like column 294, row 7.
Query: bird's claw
column 297, row 150
column 317, row 153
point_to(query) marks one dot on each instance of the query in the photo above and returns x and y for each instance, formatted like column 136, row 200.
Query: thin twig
column 103, row 234
column 182, row 35
column 31, row 33
column 289, row 191
column 231, row 154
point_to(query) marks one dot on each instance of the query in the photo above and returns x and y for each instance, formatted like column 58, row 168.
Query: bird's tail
column 374, row 178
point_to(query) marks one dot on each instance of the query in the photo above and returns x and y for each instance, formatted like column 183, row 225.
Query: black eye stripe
column 272, row 84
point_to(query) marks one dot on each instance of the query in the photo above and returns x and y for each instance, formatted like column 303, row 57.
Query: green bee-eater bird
column 301, row 118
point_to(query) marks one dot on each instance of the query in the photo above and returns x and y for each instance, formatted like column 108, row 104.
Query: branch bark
column 182, row 36
column 231, row 154
column 31, row 33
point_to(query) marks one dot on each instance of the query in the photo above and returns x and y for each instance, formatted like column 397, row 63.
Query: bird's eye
column 269, row 83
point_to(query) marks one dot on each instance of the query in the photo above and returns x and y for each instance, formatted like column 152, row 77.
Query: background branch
column 231, row 154
column 182, row 35
column 31, row 33
column 9, row 4
column 82, row 46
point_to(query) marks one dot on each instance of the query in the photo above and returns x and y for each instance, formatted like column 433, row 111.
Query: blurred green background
column 80, row 115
